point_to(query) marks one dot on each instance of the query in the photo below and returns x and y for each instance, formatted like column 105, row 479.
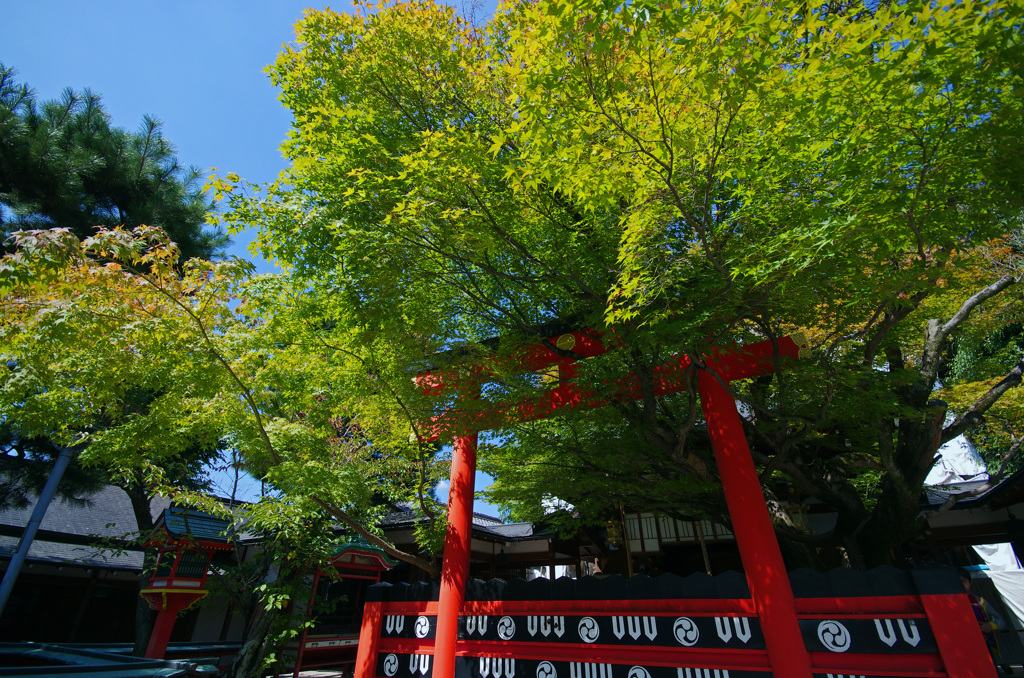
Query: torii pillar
column 455, row 567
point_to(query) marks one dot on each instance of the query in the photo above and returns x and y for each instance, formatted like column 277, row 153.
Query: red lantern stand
column 355, row 560
column 181, row 570
column 767, row 578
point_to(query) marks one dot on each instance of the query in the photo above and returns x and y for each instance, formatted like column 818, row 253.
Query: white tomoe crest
column 588, row 630
column 506, row 628
column 546, row 670
column 834, row 636
column 686, row 632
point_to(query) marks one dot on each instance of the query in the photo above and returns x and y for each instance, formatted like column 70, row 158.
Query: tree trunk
column 896, row 518
column 249, row 660
column 145, row 616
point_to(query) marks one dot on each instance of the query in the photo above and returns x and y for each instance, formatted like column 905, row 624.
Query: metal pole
column 42, row 503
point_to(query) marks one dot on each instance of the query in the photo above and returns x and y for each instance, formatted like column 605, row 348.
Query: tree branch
column 385, row 546
column 973, row 416
column 937, row 331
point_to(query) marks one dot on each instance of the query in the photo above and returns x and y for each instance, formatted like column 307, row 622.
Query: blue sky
column 197, row 66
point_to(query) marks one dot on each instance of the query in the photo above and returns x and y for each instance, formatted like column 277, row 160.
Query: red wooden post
column 961, row 645
column 457, row 541
column 172, row 603
column 755, row 536
column 369, row 639
column 305, row 629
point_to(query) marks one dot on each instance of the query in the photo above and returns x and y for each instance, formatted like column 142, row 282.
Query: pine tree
column 63, row 165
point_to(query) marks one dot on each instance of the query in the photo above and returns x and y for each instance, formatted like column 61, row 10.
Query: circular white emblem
column 546, row 670
column 834, row 636
column 686, row 632
column 638, row 672
column 390, row 665
column 422, row 627
column 588, row 630
column 506, row 628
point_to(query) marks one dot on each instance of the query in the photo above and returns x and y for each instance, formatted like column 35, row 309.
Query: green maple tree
column 716, row 172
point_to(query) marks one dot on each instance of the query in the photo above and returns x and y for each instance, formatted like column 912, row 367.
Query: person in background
column 989, row 621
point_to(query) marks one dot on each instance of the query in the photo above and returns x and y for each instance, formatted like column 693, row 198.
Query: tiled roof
column 63, row 553
column 512, row 530
column 484, row 526
column 76, row 534
column 405, row 514
column 181, row 522
column 484, row 519
column 108, row 513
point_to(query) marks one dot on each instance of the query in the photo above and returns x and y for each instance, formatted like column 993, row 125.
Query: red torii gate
column 768, row 581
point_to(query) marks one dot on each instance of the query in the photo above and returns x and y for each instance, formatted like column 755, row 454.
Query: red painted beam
column 960, row 642
column 531, row 358
column 421, row 607
column 755, row 535
column 169, row 602
column 851, row 664
column 735, row 659
column 369, row 641
column 736, row 363
column 904, row 606
column 748, row 361
column 653, row 655
column 718, row 607
column 807, row 608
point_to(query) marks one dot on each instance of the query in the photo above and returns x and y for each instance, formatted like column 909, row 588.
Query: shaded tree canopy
column 63, row 165
column 112, row 344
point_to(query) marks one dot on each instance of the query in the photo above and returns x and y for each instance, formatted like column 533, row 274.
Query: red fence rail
column 887, row 623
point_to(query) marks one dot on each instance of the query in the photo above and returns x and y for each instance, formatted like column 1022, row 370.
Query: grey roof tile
column 108, row 513
column 58, row 553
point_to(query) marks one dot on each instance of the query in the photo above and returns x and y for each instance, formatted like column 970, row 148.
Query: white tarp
column 958, row 462
column 998, row 557
column 1010, row 584
column 1005, row 572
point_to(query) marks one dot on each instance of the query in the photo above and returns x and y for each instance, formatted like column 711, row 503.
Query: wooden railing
column 885, row 622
